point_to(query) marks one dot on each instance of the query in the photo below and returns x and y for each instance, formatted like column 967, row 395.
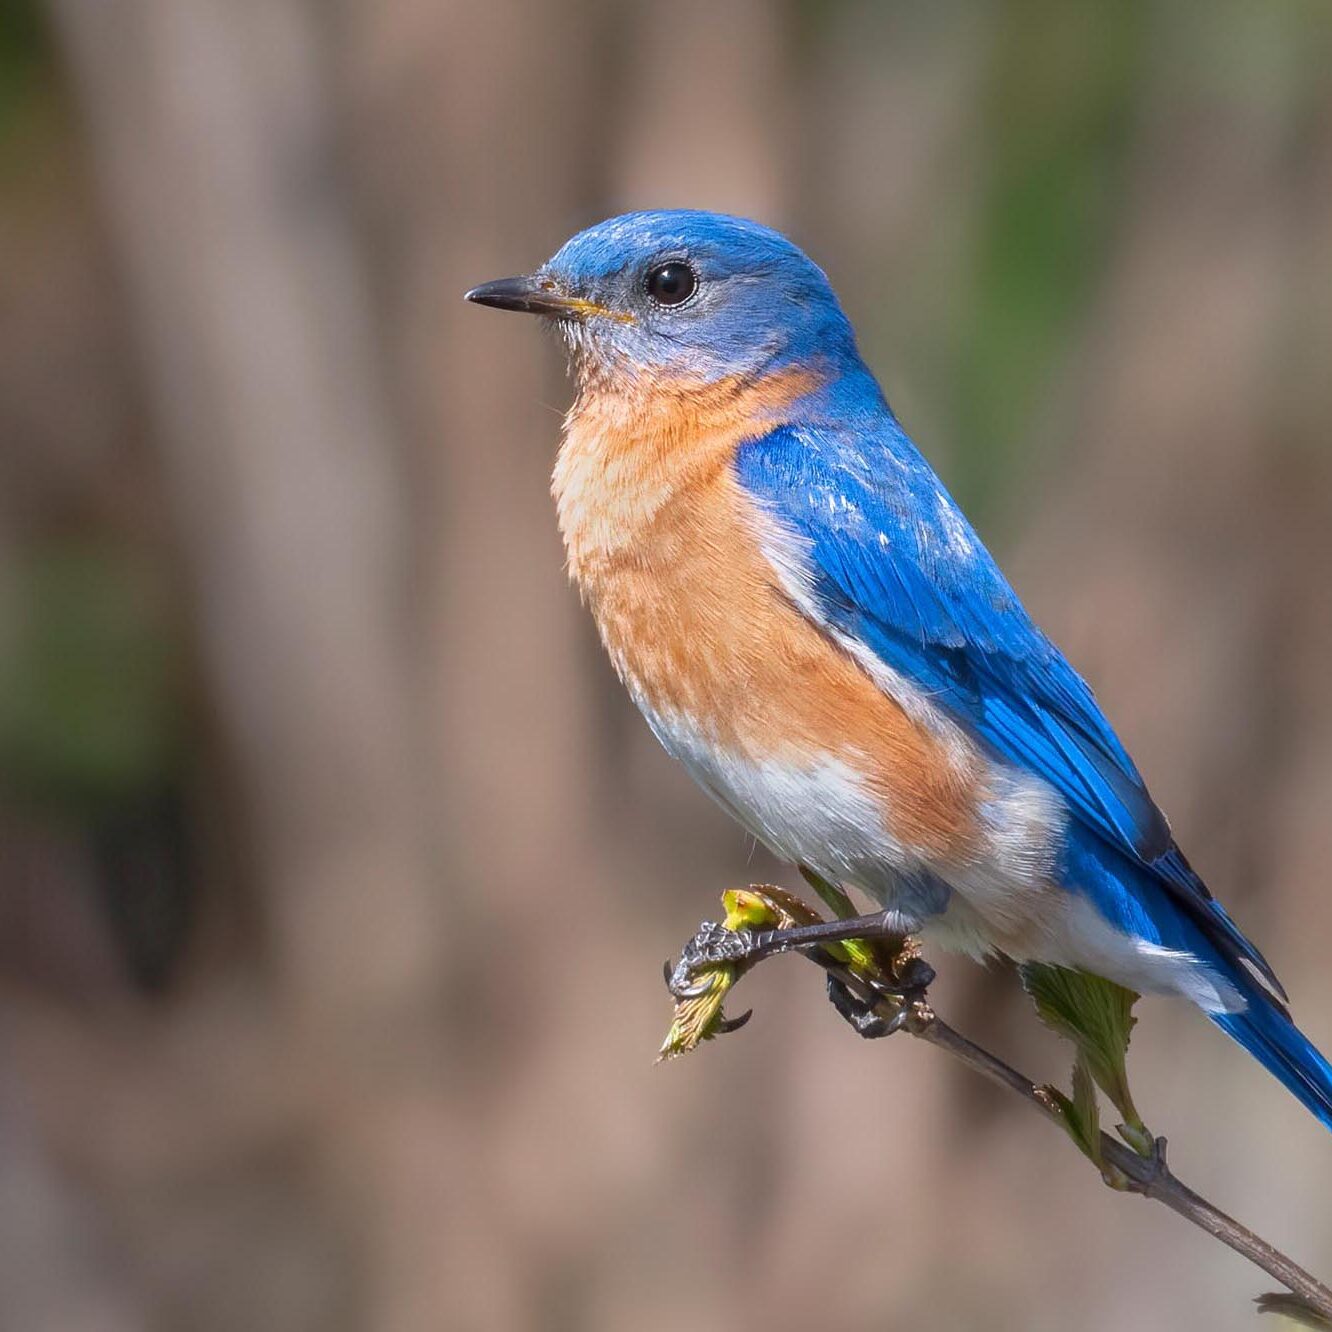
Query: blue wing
column 898, row 567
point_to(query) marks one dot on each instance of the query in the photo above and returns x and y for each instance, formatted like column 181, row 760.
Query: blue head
column 682, row 295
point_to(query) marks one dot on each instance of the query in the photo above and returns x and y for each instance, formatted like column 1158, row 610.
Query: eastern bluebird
column 810, row 624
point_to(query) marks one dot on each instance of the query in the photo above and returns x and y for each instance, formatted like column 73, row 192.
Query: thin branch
column 1149, row 1176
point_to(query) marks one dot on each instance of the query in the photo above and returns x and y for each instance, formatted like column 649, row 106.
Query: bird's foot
column 710, row 964
column 862, row 1015
column 714, row 945
column 907, row 992
column 881, row 980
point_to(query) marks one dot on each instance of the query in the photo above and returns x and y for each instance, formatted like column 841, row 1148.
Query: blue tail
column 1284, row 1050
column 1130, row 898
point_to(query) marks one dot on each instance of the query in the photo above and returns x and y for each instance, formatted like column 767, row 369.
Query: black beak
column 532, row 295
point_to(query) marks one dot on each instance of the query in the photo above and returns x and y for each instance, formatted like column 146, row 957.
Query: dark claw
column 712, row 944
column 862, row 1017
column 726, row 1025
column 681, row 987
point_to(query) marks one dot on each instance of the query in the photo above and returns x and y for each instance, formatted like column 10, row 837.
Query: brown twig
column 1149, row 1176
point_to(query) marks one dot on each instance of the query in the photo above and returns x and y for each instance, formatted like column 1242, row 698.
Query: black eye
column 671, row 283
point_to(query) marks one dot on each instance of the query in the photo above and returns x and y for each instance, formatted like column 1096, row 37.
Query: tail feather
column 1284, row 1050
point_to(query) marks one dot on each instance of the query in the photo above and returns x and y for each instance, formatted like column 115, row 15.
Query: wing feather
column 898, row 567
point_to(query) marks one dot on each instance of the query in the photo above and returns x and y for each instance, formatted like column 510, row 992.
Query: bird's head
column 682, row 297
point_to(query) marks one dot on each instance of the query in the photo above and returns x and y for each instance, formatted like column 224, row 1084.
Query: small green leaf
column 866, row 956
column 1097, row 1016
column 1079, row 1114
column 834, row 898
column 697, row 1019
column 1139, row 1137
column 1080, row 1117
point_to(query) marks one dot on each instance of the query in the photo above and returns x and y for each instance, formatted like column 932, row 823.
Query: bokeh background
column 335, row 871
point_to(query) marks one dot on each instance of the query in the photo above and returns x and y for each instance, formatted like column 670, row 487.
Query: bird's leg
column 713, row 944
column 877, row 925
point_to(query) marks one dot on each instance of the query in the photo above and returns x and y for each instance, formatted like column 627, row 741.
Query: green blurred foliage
column 1061, row 78
column 25, row 58
column 89, row 709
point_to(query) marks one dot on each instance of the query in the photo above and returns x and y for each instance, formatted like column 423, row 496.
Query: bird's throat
column 630, row 453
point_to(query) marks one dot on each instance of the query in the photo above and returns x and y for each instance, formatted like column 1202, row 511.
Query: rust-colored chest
column 673, row 559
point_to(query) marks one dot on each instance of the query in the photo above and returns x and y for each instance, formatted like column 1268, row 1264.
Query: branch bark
column 1150, row 1177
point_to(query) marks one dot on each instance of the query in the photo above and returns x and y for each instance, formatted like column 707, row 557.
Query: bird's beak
column 537, row 295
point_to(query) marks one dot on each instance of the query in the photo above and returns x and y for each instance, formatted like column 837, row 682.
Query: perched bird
column 810, row 624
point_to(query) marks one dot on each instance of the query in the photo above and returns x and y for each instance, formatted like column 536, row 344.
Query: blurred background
column 336, row 872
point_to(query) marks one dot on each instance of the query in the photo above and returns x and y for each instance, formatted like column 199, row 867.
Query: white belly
column 1006, row 900
column 819, row 814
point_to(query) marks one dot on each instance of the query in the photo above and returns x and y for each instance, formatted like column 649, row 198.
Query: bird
column 810, row 624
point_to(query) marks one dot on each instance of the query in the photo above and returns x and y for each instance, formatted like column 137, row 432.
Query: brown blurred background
column 335, row 871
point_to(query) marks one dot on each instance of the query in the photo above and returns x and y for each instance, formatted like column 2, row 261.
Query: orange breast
column 666, row 549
